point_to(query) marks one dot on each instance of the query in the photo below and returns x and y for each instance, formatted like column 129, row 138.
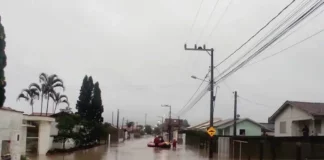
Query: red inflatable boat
column 160, row 145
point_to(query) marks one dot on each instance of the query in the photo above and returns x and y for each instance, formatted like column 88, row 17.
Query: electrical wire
column 208, row 20
column 217, row 23
column 292, row 25
column 273, row 31
column 256, row 103
column 299, row 19
column 299, row 27
column 195, row 19
column 256, row 33
column 202, row 82
column 293, row 45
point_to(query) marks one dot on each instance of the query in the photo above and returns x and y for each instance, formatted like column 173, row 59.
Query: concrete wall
column 68, row 144
column 44, row 139
column 288, row 115
column 251, row 129
column 10, row 128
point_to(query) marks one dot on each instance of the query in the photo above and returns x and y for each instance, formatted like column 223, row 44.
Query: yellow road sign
column 211, row 131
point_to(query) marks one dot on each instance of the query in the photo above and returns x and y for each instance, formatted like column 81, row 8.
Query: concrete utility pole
column 117, row 118
column 211, row 121
column 122, row 126
column 112, row 118
column 235, row 114
column 169, row 125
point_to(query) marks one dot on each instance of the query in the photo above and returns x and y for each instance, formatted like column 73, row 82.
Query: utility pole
column 235, row 114
column 169, row 124
column 145, row 119
column 112, row 118
column 117, row 118
column 211, row 121
column 122, row 126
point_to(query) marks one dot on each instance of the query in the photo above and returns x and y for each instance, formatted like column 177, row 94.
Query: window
column 242, row 132
column 318, row 126
column 282, row 127
column 18, row 137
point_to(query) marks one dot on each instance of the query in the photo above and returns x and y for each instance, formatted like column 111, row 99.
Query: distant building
column 244, row 127
column 292, row 117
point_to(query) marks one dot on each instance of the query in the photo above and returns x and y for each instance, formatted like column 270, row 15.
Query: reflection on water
column 132, row 149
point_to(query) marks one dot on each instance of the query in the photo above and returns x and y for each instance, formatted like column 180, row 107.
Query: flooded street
column 131, row 149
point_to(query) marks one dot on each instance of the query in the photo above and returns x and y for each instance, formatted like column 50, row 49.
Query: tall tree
column 59, row 98
column 95, row 110
column 29, row 95
column 96, row 104
column 83, row 107
column 3, row 63
column 84, row 102
column 49, row 83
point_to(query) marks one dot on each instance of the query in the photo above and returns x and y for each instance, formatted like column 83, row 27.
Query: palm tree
column 29, row 95
column 59, row 98
column 39, row 89
column 49, row 83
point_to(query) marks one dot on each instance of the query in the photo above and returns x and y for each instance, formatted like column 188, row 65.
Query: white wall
column 23, row 138
column 289, row 115
column 69, row 143
column 44, row 140
column 10, row 128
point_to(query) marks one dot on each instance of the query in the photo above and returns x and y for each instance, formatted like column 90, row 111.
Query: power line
column 299, row 27
column 279, row 35
column 256, row 103
column 283, row 32
column 293, row 24
column 202, row 82
column 217, row 23
column 208, row 20
column 293, row 45
column 256, row 33
column 193, row 24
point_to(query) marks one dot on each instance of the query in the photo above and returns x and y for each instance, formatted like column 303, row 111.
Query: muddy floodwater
column 132, row 149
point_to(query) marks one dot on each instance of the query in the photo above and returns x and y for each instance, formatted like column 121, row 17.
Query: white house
column 292, row 117
column 13, row 132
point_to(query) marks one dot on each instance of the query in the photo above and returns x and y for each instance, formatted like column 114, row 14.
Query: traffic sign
column 211, row 131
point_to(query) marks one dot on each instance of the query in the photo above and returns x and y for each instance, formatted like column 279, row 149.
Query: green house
column 244, row 127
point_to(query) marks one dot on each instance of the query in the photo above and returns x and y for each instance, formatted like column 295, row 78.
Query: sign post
column 211, row 131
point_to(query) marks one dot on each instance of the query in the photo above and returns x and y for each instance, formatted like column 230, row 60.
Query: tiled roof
column 316, row 109
column 312, row 108
column 39, row 114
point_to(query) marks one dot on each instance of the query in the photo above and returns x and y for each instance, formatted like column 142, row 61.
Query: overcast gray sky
column 135, row 50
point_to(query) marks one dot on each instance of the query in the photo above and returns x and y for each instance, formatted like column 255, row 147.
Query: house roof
column 312, row 108
column 231, row 122
column 204, row 124
column 268, row 126
column 10, row 109
column 43, row 114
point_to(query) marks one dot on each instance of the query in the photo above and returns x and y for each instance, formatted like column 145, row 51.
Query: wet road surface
column 132, row 149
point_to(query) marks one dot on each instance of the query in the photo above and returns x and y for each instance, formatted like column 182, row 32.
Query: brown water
column 131, row 149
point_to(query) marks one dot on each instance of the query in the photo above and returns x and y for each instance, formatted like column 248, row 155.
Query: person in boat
column 156, row 141
column 161, row 139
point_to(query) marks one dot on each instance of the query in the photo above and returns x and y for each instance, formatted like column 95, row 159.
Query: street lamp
column 169, row 126
column 194, row 77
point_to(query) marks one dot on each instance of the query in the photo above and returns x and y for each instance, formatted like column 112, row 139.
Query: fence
column 260, row 147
